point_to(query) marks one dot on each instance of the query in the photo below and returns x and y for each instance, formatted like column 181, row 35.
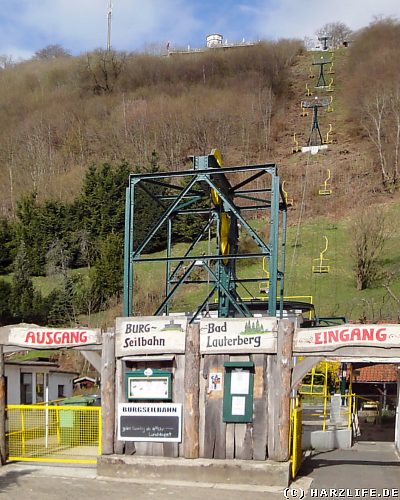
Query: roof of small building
column 84, row 379
column 52, row 366
column 385, row 372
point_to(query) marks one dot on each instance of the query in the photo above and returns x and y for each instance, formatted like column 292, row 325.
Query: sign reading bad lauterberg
column 150, row 335
column 238, row 335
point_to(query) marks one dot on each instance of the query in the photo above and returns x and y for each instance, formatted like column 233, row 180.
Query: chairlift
column 328, row 139
column 322, row 267
column 296, row 148
column 329, row 109
column 289, row 202
column 264, row 287
column 325, row 187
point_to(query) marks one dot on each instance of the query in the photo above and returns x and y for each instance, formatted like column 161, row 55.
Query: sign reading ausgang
column 150, row 422
column 239, row 335
column 334, row 337
column 150, row 335
column 50, row 338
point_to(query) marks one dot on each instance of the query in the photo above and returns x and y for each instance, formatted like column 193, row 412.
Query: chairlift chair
column 322, row 267
column 325, row 187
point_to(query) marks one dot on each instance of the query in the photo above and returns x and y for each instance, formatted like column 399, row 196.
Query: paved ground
column 367, row 465
column 39, row 482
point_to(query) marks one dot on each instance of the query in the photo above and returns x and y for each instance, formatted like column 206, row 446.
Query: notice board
column 150, row 422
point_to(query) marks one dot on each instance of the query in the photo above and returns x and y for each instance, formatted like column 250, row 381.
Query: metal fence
column 64, row 434
column 319, row 411
column 296, row 454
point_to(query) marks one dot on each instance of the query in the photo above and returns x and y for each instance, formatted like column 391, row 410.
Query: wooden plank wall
column 204, row 433
column 246, row 441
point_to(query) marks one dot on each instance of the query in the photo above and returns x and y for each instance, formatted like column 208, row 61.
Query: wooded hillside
column 61, row 115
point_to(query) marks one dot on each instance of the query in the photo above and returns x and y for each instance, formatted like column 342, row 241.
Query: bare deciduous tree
column 338, row 33
column 369, row 233
column 6, row 61
column 382, row 124
column 51, row 52
column 105, row 67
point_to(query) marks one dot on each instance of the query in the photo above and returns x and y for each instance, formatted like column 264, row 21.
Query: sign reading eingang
column 330, row 338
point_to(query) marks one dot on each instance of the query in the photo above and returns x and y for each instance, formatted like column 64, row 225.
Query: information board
column 150, row 422
column 141, row 388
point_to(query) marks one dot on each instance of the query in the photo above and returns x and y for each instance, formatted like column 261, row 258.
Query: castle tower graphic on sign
column 172, row 327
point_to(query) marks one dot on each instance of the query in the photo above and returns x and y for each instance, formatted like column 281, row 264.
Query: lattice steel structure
column 225, row 199
column 315, row 137
column 321, row 82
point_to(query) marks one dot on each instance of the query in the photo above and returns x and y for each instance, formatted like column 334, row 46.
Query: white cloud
column 81, row 25
column 297, row 18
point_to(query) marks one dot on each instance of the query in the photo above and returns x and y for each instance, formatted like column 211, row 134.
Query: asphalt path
column 368, row 470
column 24, row 481
column 352, row 473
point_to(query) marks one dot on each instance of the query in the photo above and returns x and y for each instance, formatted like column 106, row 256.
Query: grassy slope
column 334, row 293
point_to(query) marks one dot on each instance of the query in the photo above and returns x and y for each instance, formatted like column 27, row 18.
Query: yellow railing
column 264, row 298
column 296, row 454
column 44, row 433
column 323, row 416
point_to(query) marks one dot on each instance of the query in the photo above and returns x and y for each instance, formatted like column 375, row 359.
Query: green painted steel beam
column 127, row 253
column 138, row 259
column 243, row 312
column 162, row 220
column 268, row 167
column 203, row 305
column 244, row 223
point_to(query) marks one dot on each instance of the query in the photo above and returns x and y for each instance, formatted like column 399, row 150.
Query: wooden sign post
column 192, row 387
column 3, row 457
column 280, row 371
column 108, row 393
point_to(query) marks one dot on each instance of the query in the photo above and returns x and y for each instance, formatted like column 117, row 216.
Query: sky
column 81, row 25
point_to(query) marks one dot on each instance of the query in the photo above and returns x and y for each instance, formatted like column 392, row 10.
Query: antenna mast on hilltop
column 109, row 16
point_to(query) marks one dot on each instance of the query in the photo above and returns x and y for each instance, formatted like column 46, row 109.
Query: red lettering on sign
column 30, row 336
column 368, row 334
column 56, row 338
column 318, row 338
column 381, row 334
column 346, row 335
column 333, row 335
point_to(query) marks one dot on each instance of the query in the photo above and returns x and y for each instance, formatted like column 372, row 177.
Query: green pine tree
column 108, row 272
column 22, row 293
column 5, row 303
